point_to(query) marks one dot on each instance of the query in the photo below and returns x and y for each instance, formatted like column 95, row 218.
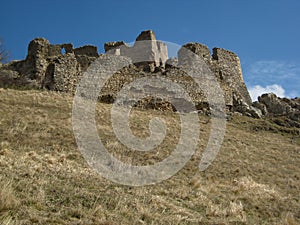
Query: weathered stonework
column 197, row 48
column 62, row 74
column 114, row 45
column 55, row 67
column 229, row 70
column 145, row 51
column 59, row 67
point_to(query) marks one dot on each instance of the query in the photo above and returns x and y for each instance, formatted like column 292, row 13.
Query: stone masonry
column 145, row 51
column 59, row 67
column 53, row 67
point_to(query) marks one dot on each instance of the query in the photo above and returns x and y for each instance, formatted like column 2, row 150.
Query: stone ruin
column 59, row 67
column 153, row 53
column 53, row 67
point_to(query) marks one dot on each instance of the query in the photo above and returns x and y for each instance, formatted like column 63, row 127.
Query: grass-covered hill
column 45, row 180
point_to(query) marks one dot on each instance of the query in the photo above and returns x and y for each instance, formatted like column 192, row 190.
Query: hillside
column 45, row 180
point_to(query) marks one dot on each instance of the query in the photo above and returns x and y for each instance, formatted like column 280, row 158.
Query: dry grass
column 7, row 197
column 8, row 201
column 45, row 180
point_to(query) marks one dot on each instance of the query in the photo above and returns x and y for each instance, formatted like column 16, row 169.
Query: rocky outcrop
column 242, row 107
column 283, row 111
column 277, row 106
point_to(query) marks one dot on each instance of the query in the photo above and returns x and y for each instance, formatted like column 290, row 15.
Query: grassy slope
column 45, row 180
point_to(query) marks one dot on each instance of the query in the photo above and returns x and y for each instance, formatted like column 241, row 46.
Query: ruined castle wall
column 87, row 50
column 147, row 51
column 62, row 74
column 225, row 65
column 56, row 50
column 228, row 68
column 108, row 46
column 59, row 67
column 35, row 63
column 197, row 48
column 162, row 55
column 54, row 67
column 144, row 51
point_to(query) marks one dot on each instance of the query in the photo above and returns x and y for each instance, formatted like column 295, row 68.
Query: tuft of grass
column 8, row 199
column 9, row 203
column 6, row 220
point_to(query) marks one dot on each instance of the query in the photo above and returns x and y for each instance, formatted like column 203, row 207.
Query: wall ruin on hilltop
column 146, row 50
column 54, row 67
column 59, row 67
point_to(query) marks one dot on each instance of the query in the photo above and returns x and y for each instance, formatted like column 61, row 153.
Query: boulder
column 260, row 106
column 284, row 111
column 239, row 105
column 275, row 105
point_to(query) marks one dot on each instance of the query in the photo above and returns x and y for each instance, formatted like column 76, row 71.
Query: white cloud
column 258, row 90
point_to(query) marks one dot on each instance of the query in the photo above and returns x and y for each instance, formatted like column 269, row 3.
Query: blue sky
column 264, row 33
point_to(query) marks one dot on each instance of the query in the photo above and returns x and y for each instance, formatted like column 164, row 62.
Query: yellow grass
column 45, row 180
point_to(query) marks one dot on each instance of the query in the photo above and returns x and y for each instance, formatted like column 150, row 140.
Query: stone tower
column 145, row 51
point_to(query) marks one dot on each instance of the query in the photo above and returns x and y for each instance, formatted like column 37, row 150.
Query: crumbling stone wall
column 55, row 67
column 229, row 69
column 87, row 50
column 145, row 51
column 62, row 74
column 197, row 48
column 59, row 67
column 114, row 46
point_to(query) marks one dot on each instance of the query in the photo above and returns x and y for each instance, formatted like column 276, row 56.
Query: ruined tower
column 145, row 51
